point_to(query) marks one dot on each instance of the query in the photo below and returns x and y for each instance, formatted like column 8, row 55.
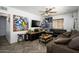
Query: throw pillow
column 74, row 43
column 67, row 34
column 75, row 35
column 62, row 40
column 61, row 36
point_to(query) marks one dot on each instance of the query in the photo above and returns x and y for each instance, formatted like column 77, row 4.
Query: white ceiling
column 36, row 9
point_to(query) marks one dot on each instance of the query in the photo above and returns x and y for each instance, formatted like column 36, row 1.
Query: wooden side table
column 45, row 38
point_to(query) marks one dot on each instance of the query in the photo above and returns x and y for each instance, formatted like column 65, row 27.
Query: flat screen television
column 35, row 23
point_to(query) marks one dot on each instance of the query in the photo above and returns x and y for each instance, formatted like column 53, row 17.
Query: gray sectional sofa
column 70, row 45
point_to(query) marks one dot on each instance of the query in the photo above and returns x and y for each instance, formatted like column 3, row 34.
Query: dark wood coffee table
column 45, row 38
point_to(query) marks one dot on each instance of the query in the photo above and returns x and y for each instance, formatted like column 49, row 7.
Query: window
column 58, row 23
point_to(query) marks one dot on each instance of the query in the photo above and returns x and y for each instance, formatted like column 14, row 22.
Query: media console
column 33, row 35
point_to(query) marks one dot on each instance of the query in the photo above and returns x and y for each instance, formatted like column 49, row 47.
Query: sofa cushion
column 75, row 35
column 60, row 36
column 64, row 35
column 73, row 32
column 74, row 43
column 67, row 34
column 62, row 40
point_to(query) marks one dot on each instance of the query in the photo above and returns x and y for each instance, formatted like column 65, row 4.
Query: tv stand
column 33, row 35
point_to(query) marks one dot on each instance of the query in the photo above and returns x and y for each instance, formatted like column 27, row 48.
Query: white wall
column 12, row 11
column 68, row 20
column 8, row 32
column 25, row 14
column 78, row 19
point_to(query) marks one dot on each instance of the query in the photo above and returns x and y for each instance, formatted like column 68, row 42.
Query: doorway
column 2, row 25
column 3, row 28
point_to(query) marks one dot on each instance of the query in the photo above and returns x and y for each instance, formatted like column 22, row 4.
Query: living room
column 35, row 25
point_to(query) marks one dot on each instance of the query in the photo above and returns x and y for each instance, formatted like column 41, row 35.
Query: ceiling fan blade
column 52, row 12
column 43, row 13
column 47, row 11
column 51, row 9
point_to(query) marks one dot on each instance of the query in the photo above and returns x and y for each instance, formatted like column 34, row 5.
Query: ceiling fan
column 48, row 11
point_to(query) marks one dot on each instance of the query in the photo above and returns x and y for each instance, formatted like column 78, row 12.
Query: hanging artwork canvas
column 20, row 23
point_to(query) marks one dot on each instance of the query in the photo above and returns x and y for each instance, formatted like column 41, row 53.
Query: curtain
column 58, row 23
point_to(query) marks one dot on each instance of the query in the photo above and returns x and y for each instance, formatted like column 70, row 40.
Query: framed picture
column 20, row 23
